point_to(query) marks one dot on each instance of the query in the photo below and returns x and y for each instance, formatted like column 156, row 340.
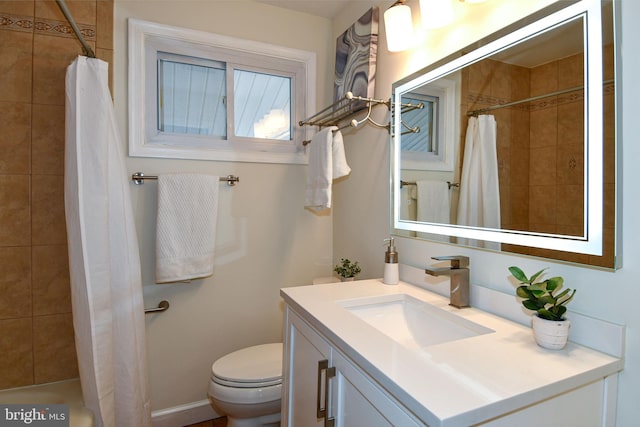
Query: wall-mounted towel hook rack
column 345, row 108
column 162, row 306
column 139, row 177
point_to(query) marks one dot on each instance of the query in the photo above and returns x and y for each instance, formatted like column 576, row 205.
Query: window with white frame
column 198, row 95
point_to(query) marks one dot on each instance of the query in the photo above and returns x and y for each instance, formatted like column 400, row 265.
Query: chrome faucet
column 459, row 273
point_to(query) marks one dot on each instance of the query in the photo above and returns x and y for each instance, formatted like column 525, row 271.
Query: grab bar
column 162, row 306
column 139, row 178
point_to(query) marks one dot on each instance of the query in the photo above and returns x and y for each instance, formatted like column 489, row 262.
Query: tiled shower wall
column 36, row 46
column 540, row 147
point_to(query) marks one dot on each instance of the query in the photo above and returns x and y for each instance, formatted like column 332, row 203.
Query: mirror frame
column 592, row 240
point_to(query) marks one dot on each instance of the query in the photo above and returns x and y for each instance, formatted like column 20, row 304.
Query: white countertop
column 457, row 383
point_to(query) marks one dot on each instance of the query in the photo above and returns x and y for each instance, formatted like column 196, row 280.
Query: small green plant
column 540, row 297
column 347, row 268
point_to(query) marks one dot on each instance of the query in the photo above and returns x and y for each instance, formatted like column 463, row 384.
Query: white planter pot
column 551, row 334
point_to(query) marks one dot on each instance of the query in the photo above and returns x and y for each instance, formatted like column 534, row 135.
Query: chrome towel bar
column 449, row 183
column 139, row 178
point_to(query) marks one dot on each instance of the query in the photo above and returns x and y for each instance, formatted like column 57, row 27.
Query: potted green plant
column 549, row 302
column 347, row 270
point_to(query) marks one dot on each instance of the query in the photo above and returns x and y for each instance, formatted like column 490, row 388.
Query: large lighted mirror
column 518, row 139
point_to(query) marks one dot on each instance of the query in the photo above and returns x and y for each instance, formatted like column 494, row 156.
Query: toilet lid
column 258, row 365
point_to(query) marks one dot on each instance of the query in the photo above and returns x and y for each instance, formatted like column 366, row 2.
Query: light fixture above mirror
column 398, row 26
column 398, row 20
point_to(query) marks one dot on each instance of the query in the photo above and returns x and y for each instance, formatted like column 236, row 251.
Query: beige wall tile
column 571, row 72
column 520, row 206
column 570, row 164
column 570, row 206
column 543, row 127
column 52, row 56
column 48, row 140
column 16, row 353
column 543, row 166
column 480, row 75
column 54, row 350
column 15, row 282
column 501, row 81
column 51, row 285
column 520, row 82
column 19, row 7
column 15, row 217
column 15, row 138
column 544, row 79
column 519, row 167
column 542, row 207
column 15, row 66
column 83, row 11
column 520, row 128
column 48, row 220
column 503, row 127
column 33, row 62
column 571, row 123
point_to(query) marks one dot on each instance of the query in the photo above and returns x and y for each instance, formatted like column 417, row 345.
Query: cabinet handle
column 322, row 402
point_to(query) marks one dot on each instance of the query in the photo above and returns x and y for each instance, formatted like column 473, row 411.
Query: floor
column 218, row 422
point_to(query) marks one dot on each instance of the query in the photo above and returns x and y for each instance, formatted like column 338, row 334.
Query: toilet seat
column 253, row 367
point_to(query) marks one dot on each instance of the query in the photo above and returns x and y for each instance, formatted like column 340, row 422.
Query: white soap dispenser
column 391, row 274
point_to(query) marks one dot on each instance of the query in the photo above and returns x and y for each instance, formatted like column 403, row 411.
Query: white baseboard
column 183, row 415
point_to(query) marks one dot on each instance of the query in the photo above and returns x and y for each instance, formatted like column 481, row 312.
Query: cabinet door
column 304, row 350
column 357, row 401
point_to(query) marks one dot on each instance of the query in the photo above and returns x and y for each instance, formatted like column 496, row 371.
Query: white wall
column 266, row 240
column 361, row 211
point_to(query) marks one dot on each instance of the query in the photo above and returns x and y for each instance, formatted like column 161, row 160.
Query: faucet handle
column 457, row 261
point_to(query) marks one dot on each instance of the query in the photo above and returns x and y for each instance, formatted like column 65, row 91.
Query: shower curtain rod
column 86, row 49
column 533, row 98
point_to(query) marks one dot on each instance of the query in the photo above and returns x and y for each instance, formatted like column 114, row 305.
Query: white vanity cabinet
column 324, row 388
column 341, row 371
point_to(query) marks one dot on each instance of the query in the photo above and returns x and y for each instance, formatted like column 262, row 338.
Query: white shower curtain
column 479, row 203
column 106, row 287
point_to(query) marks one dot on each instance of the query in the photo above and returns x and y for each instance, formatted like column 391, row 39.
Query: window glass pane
column 262, row 105
column 191, row 98
column 423, row 118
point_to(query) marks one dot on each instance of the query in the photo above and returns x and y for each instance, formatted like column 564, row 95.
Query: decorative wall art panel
column 356, row 51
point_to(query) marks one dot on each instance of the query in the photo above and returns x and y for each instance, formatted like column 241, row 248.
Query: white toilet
column 246, row 386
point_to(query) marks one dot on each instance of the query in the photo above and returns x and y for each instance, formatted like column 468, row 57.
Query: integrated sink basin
column 410, row 322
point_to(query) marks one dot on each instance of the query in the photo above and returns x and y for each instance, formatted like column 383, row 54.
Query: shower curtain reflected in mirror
column 106, row 286
column 479, row 203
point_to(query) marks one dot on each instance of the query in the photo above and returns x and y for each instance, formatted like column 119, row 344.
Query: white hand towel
column 186, row 226
column 434, row 205
column 340, row 166
column 327, row 162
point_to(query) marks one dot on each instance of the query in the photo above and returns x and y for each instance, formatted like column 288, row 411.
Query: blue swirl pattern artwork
column 356, row 51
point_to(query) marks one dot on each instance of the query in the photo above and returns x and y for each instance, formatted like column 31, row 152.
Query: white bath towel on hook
column 186, row 226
